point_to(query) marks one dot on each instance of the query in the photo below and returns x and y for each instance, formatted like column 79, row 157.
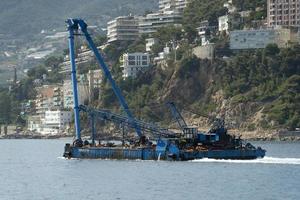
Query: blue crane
column 176, row 115
column 188, row 132
column 170, row 147
column 74, row 25
column 151, row 128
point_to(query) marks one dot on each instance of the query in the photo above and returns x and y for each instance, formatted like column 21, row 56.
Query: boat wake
column 63, row 158
column 265, row 160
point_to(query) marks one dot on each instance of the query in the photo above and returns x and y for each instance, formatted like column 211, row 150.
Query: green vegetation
column 249, row 4
column 198, row 11
column 269, row 77
column 10, row 101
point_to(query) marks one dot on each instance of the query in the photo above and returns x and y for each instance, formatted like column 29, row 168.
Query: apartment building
column 84, row 56
column 255, row 39
column 34, row 123
column 55, row 122
column 83, row 94
column 172, row 5
column 123, row 28
column 95, row 78
column 48, row 97
column 133, row 63
column 283, row 13
column 152, row 22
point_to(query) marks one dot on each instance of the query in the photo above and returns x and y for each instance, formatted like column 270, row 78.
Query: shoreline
column 40, row 137
column 257, row 135
column 35, row 137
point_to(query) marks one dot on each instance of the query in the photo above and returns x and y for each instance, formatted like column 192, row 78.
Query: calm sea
column 34, row 169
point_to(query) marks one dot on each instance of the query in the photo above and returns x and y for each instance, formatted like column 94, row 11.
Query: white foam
column 64, row 158
column 265, row 160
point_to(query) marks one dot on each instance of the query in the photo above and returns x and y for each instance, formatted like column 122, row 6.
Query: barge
column 168, row 153
column 153, row 142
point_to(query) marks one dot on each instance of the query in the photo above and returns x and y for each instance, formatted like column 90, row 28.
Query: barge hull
column 152, row 154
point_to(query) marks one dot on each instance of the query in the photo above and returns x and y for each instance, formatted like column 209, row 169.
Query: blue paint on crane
column 188, row 145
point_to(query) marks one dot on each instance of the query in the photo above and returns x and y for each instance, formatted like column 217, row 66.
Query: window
column 131, row 62
column 131, row 57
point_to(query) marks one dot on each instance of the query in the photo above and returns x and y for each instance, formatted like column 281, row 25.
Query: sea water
column 35, row 169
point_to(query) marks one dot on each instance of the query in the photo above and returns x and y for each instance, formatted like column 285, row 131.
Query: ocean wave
column 265, row 160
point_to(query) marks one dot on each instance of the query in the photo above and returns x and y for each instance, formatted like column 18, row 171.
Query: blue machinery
column 73, row 26
column 188, row 145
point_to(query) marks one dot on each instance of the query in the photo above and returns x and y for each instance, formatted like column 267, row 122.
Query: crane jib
column 75, row 25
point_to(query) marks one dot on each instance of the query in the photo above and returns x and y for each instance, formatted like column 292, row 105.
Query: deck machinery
column 154, row 142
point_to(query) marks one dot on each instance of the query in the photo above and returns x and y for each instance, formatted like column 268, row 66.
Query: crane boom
column 74, row 25
column 120, row 119
column 176, row 115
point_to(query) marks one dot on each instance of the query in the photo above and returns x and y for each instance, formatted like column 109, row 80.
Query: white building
column 223, row 23
column 124, row 28
column 95, row 78
column 229, row 5
column 84, row 56
column 83, row 94
column 152, row 22
column 132, row 63
column 150, row 42
column 34, row 123
column 203, row 27
column 51, row 123
column 55, row 122
column 172, row 5
column 255, row 39
column 162, row 56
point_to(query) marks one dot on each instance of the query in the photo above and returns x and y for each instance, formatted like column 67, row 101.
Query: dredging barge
column 153, row 143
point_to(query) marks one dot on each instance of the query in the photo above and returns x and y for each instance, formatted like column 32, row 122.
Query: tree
column 271, row 50
column 5, row 108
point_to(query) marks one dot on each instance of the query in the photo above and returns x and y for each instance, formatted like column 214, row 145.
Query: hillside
column 254, row 90
column 25, row 18
column 21, row 23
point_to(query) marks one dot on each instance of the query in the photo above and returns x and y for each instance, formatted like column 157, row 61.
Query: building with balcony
column 283, row 13
column 124, row 28
column 84, row 56
column 172, row 5
column 48, row 97
column 152, row 22
column 133, row 63
column 95, row 78
column 55, row 122
column 83, row 94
